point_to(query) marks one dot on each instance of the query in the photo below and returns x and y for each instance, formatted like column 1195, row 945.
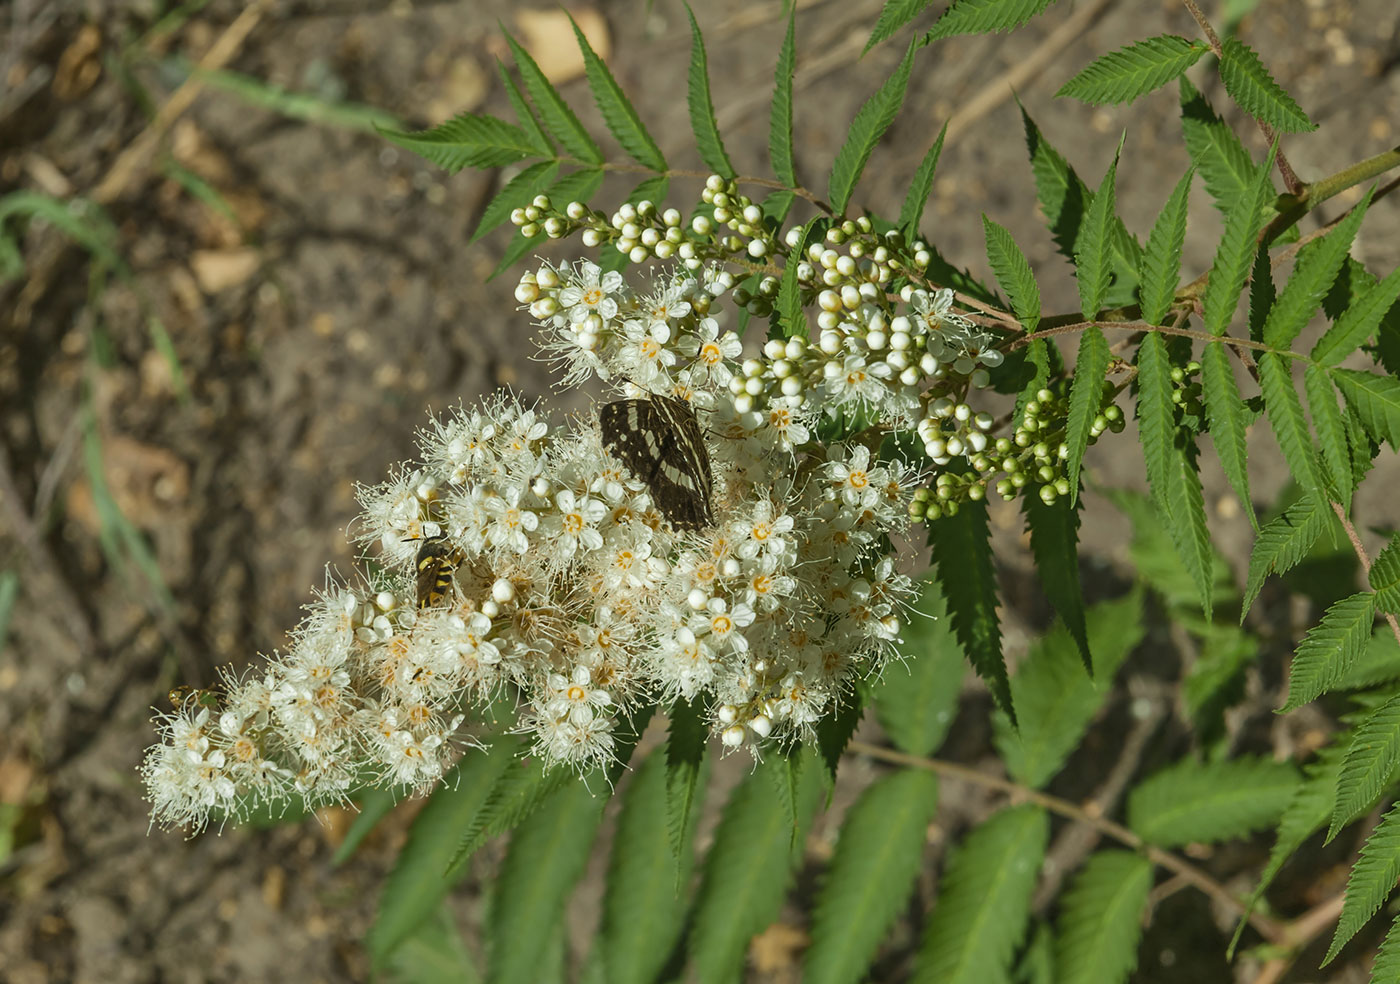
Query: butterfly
column 660, row 441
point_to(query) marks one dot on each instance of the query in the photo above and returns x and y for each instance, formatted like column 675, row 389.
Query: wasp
column 437, row 560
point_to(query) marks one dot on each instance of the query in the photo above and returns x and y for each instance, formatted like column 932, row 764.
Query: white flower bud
column 875, row 340
column 526, row 293
column 490, row 609
column 671, row 218
column 754, row 386
column 701, row 226
column 576, row 211
column 502, row 592
column 732, row 736
column 591, row 238
column 697, row 599
column 743, row 403
column 385, row 601
column 830, row 342
column 761, row 726
column 638, row 254
column 757, row 248
column 792, row 386
column 909, row 375
column 727, row 714
column 774, row 348
column 796, row 348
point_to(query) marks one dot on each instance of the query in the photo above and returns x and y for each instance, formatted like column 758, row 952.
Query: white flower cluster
column 569, row 593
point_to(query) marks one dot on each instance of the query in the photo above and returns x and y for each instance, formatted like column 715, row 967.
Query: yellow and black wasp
column 437, row 561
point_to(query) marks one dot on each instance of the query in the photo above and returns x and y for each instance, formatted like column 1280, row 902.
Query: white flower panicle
column 569, row 593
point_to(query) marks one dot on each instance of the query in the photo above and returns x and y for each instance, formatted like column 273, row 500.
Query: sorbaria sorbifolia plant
column 779, row 400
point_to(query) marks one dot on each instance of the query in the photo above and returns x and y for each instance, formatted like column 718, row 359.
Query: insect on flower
column 436, row 562
column 204, row 698
column 660, row 440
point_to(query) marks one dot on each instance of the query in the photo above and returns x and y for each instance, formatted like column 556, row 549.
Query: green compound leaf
column 1091, row 259
column 1385, row 577
column 469, row 140
column 870, row 124
column 546, row 857
column 1369, row 765
column 643, row 909
column 518, row 192
column 984, row 901
column 1161, row 260
column 421, row 877
column 1318, row 265
column 1213, row 801
column 1085, row 397
column 984, row 17
column 878, row 857
column 618, row 112
column 1055, row 699
column 1228, row 419
column 746, row 875
column 1126, row 74
column 969, row 582
column 1252, row 87
column 685, row 767
column 1283, row 542
column 1244, row 220
column 558, row 118
column 780, row 116
column 1375, row 399
column 1013, row 273
column 1330, row 649
column 1285, row 413
column 911, row 213
column 702, row 107
column 1371, row 882
column 1358, row 322
column 917, row 696
column 894, row 15
column 524, row 115
column 1331, row 431
column 1215, row 151
column 1054, row 533
column 1101, row 919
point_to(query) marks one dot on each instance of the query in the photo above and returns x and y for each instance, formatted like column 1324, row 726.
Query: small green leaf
column 1126, row 74
column 965, row 572
column 1380, row 663
column 1244, row 220
column 547, row 855
column 1285, row 412
column 1376, row 401
column 1330, row 649
column 1085, row 397
column 1316, row 270
column 1372, row 879
column 788, row 308
column 1252, row 87
column 746, row 875
column 1215, row 150
column 1369, row 765
column 780, row 116
column 1091, row 258
column 469, row 140
column 1013, row 273
column 894, row 15
column 1207, row 802
column 1055, row 699
column 1331, row 430
column 685, row 765
column 421, row 878
column 702, row 107
column 984, row 17
column 1156, row 418
column 1385, row 577
column 1358, row 322
column 877, row 859
column 558, row 118
column 1101, row 919
column 917, row 696
column 518, row 192
column 524, row 115
column 1228, row 420
column 1261, row 294
column 912, row 211
column 1161, row 260
column 618, row 112
column 1385, row 969
column 984, row 901
column 870, row 124
column 1283, row 542
column 643, row 909
column 1054, row 533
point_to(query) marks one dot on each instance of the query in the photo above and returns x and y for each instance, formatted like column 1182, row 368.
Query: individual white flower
column 853, row 478
column 574, row 697
column 724, row 624
column 713, row 352
column 643, row 355
column 574, row 528
column 511, row 524
column 591, row 291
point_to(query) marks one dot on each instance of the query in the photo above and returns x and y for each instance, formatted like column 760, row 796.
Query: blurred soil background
column 187, row 401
